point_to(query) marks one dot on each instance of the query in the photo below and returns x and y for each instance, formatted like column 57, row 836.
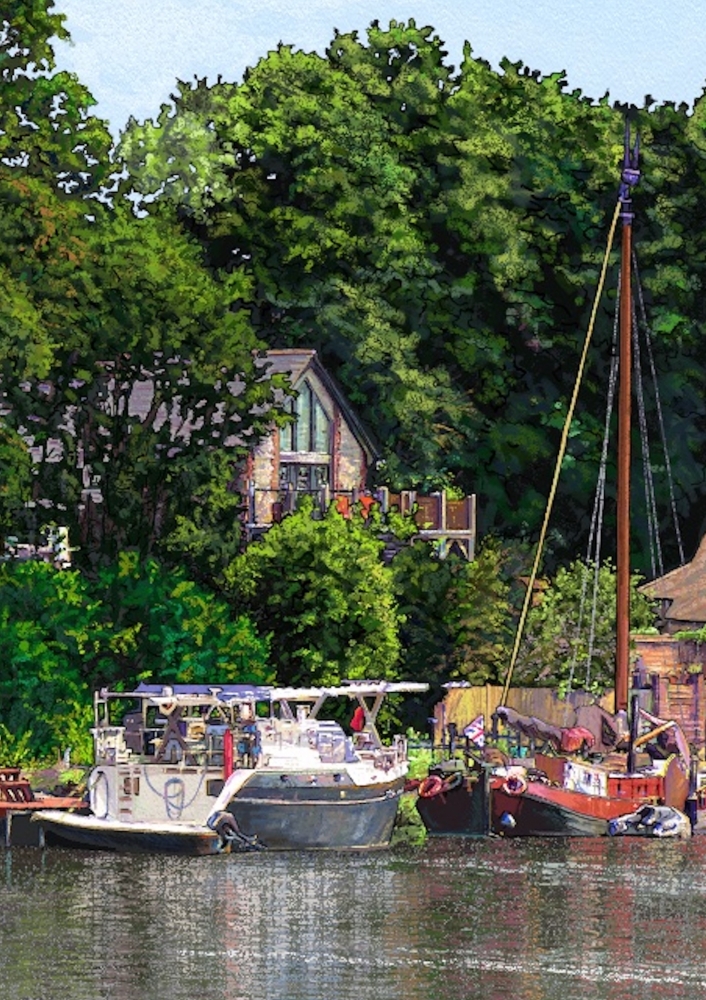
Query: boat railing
column 109, row 745
column 202, row 749
column 281, row 733
column 383, row 757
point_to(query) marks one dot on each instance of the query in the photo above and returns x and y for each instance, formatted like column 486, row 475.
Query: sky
column 129, row 53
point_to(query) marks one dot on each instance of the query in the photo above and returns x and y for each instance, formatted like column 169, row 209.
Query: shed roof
column 683, row 588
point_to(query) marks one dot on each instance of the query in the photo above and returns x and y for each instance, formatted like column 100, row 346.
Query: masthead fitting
column 630, row 174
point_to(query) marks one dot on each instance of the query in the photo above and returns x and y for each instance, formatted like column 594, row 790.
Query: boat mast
column 629, row 178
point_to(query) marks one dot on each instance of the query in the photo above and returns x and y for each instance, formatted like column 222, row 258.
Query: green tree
column 437, row 237
column 63, row 635
column 47, row 627
column 54, row 155
column 303, row 174
column 555, row 649
column 206, row 536
column 320, row 590
column 99, row 306
column 15, row 479
column 46, row 129
column 161, row 626
column 456, row 617
column 153, row 392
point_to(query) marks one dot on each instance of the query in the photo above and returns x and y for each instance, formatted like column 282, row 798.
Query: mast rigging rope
column 650, row 502
column 562, row 451
column 658, row 405
column 593, row 548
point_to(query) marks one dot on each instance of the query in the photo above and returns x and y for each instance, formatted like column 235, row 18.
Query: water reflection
column 527, row 920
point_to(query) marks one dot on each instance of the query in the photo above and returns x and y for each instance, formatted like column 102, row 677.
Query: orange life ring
column 431, row 786
column 515, row 784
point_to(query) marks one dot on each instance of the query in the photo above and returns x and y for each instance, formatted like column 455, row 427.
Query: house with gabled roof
column 324, row 451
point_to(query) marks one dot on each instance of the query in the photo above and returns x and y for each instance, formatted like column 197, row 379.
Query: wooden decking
column 17, row 805
column 14, row 788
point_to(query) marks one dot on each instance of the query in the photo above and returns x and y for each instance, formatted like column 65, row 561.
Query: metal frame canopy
column 249, row 692
column 174, row 700
column 228, row 695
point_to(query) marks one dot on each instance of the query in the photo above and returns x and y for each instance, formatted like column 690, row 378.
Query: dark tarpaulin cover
column 535, row 729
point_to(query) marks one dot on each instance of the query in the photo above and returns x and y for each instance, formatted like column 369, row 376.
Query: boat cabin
column 230, row 727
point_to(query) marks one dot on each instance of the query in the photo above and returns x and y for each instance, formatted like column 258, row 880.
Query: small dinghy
column 652, row 821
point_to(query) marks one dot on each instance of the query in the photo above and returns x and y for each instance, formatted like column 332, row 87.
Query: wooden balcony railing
column 448, row 523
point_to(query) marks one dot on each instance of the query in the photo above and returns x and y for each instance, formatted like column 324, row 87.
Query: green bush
column 62, row 635
column 320, row 591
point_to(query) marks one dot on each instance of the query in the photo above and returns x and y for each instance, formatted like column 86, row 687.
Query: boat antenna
column 629, row 177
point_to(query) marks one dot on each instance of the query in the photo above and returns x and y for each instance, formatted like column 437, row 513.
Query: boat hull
column 547, row 811
column 305, row 817
column 541, row 809
column 73, row 830
column 461, row 811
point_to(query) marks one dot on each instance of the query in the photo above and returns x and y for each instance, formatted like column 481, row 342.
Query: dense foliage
column 15, row 478
column 570, row 633
column 319, row 590
column 125, row 356
column 456, row 615
column 435, row 235
column 62, row 636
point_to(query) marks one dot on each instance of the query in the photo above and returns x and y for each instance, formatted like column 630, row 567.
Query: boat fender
column 515, row 784
column 508, row 821
column 453, row 781
column 98, row 794
column 431, row 786
column 226, row 827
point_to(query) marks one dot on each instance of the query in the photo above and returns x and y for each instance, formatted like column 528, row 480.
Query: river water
column 452, row 919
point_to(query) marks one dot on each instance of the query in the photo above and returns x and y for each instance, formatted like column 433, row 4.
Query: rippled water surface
column 453, row 919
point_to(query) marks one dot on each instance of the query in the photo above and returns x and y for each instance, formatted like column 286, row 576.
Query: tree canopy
column 321, row 593
column 569, row 639
column 63, row 636
column 437, row 235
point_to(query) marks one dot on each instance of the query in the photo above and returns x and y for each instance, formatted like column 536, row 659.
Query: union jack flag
column 475, row 731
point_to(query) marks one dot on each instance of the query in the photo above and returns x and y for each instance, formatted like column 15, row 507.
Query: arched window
column 309, row 431
column 305, row 444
